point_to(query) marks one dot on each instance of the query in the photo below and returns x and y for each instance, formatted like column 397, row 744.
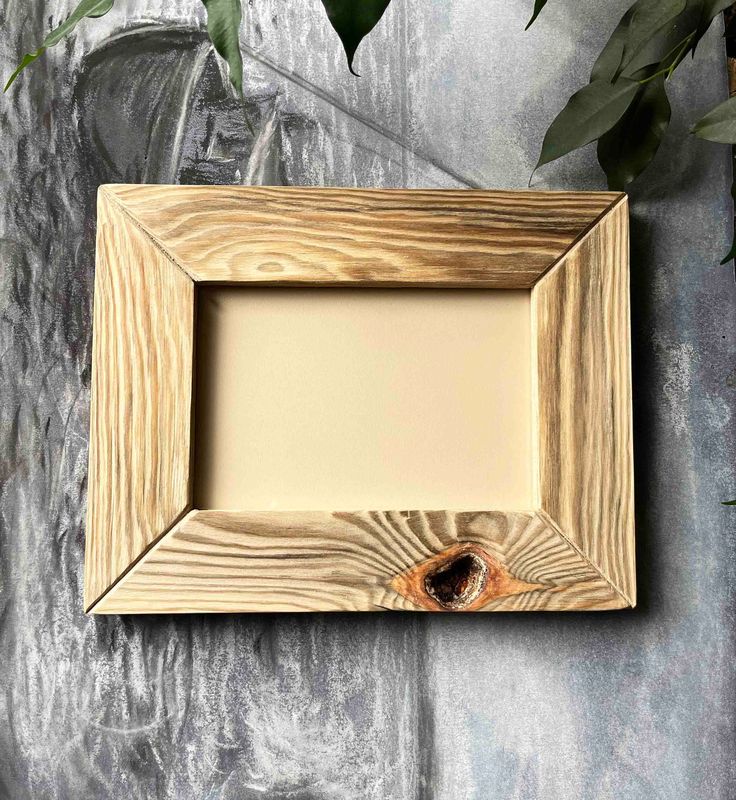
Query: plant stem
column 680, row 50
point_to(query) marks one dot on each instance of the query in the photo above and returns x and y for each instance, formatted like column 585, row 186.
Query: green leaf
column 648, row 19
column 709, row 10
column 589, row 113
column 87, row 8
column 663, row 50
column 28, row 58
column 731, row 255
column 223, row 27
column 608, row 62
column 353, row 20
column 729, row 503
column 647, row 60
column 538, row 6
column 718, row 125
column 626, row 150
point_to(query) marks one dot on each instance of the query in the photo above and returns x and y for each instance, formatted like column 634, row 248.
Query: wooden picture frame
column 149, row 551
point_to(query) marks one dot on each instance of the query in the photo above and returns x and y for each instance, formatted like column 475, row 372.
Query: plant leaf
column 223, row 27
column 718, row 125
column 87, row 8
column 626, row 150
column 608, row 65
column 353, row 20
column 709, row 10
column 731, row 255
column 660, row 52
column 28, row 58
column 648, row 19
column 729, row 503
column 538, row 6
column 589, row 113
column 609, row 60
column 643, row 54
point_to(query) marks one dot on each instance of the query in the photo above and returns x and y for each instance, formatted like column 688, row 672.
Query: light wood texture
column 362, row 236
column 215, row 561
column 581, row 320
column 146, row 552
column 141, row 407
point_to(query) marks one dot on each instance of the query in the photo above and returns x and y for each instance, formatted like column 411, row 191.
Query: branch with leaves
column 625, row 107
column 351, row 20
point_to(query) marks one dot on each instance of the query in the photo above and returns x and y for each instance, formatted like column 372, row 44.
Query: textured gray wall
column 620, row 705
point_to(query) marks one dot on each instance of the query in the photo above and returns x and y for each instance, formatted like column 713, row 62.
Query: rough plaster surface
column 603, row 706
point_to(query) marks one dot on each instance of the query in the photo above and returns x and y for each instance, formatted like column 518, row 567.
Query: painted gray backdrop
column 604, row 706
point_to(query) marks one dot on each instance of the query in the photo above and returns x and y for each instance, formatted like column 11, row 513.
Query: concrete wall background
column 605, row 706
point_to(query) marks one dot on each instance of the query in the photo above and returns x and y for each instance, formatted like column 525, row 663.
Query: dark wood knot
column 462, row 577
column 457, row 582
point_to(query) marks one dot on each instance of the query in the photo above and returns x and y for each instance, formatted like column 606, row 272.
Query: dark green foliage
column 646, row 47
column 538, row 6
column 731, row 255
column 649, row 20
column 353, row 20
column 609, row 60
column 626, row 149
column 719, row 125
column 589, row 113
column 709, row 10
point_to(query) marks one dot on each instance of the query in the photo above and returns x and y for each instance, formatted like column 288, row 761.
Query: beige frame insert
column 149, row 551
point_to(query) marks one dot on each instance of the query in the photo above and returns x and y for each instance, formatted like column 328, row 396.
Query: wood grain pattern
column 359, row 237
column 576, row 551
column 581, row 321
column 216, row 561
column 140, row 418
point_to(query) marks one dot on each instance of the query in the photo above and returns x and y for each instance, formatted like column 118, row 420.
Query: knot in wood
column 457, row 582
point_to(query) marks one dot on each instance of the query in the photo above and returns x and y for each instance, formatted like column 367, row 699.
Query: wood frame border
column 149, row 551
